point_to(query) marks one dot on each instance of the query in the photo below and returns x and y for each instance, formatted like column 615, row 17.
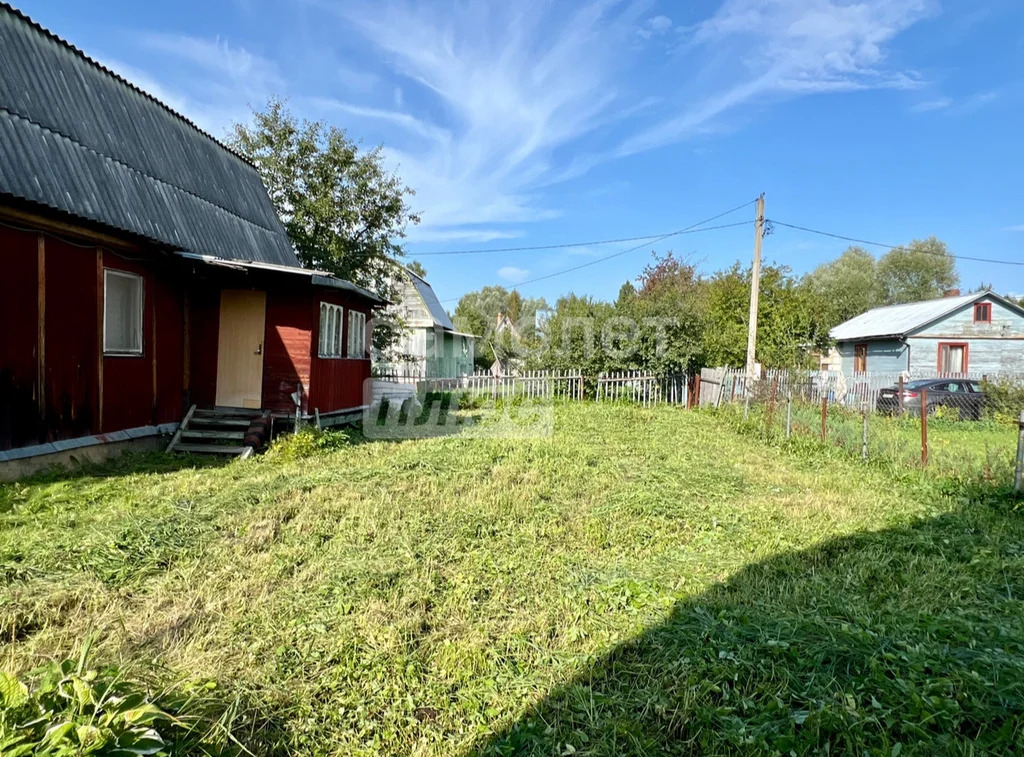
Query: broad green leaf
column 13, row 693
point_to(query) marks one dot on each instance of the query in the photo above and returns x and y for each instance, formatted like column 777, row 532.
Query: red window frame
column 860, row 357
column 966, row 365
column 983, row 309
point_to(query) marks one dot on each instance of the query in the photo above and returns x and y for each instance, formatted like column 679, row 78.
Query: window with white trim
column 356, row 334
column 123, row 296
column 330, row 330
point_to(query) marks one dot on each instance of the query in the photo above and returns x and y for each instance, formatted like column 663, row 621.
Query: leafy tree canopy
column 343, row 211
column 923, row 270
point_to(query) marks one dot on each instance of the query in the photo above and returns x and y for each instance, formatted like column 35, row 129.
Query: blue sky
column 528, row 123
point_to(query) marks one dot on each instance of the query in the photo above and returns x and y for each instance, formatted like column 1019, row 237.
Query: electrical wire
column 691, row 229
column 585, row 244
column 773, row 222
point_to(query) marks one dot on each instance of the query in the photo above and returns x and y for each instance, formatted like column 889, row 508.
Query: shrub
column 66, row 709
column 309, row 442
column 1004, row 400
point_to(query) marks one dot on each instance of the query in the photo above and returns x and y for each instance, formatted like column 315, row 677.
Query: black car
column 961, row 397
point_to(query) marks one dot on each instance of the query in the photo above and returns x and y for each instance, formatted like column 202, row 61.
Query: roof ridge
column 131, row 85
column 133, row 169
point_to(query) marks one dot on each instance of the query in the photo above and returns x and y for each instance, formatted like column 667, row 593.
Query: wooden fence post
column 696, row 391
column 864, row 433
column 1018, row 478
column 824, row 418
column 789, row 413
column 924, row 427
column 901, row 407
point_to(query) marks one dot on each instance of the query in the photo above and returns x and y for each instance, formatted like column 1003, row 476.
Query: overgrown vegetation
column 646, row 581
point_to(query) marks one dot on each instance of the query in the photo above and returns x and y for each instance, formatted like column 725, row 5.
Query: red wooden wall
column 136, row 390
column 204, row 331
column 19, row 409
column 286, row 350
column 71, row 347
column 336, row 383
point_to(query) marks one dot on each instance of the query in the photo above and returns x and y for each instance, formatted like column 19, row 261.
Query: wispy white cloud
column 427, row 234
column 484, row 109
column 655, row 26
column 927, row 106
column 965, row 106
column 512, row 274
column 761, row 49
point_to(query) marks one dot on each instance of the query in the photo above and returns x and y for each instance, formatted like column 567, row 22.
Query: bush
column 309, row 442
column 1004, row 400
column 66, row 709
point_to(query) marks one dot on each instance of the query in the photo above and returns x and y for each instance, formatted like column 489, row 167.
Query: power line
column 543, row 246
column 691, row 229
column 773, row 222
column 585, row 244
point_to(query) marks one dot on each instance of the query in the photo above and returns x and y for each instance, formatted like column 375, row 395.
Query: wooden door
column 240, row 348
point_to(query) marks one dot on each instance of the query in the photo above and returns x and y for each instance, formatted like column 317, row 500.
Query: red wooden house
column 143, row 268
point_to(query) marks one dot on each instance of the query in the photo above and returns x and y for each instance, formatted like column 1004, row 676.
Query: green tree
column 344, row 212
column 477, row 313
column 789, row 324
column 923, row 270
column 846, row 286
column 417, row 268
column 668, row 310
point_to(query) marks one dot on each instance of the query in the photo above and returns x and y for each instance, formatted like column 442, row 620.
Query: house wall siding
column 336, row 383
column 84, row 392
column 20, row 423
column 991, row 347
column 287, row 345
column 884, row 355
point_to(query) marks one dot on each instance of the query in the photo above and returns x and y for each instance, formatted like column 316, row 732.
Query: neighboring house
column 506, row 365
column 432, row 345
column 144, row 267
column 977, row 333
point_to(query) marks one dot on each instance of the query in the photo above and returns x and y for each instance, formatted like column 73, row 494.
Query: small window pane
column 330, row 330
column 356, row 334
column 122, row 313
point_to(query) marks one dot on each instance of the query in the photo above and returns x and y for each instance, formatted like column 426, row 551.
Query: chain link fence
column 959, row 426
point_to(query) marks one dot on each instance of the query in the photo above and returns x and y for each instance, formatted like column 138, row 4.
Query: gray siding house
column 434, row 348
column 979, row 333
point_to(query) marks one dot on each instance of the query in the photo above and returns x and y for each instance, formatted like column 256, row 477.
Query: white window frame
column 356, row 335
column 331, row 324
column 140, row 315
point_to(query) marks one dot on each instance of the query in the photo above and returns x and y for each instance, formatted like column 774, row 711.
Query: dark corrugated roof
column 76, row 137
column 437, row 312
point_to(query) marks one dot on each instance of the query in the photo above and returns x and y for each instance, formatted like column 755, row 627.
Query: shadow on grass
column 909, row 640
column 130, row 463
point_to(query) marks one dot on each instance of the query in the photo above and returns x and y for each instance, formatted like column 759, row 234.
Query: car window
column 952, row 387
column 919, row 384
column 976, row 387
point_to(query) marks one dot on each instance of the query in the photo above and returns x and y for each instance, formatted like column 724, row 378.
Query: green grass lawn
column 644, row 582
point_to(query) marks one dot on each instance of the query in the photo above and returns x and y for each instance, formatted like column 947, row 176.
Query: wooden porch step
column 227, row 412
column 212, row 449
column 194, row 433
column 219, row 421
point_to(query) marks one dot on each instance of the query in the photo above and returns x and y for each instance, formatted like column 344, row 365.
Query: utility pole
column 755, row 287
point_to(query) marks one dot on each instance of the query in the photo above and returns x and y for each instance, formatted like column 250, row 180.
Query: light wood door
column 240, row 348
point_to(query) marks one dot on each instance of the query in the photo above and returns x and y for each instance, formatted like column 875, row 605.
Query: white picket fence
column 528, row 384
column 643, row 388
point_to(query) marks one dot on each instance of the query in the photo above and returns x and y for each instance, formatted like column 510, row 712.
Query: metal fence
column 964, row 425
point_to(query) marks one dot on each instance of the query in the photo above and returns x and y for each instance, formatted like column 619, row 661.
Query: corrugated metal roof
column 317, row 278
column 898, row 320
column 76, row 137
column 437, row 312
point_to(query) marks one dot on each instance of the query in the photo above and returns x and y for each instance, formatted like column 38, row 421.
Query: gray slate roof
column 437, row 312
column 899, row 320
column 76, row 137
